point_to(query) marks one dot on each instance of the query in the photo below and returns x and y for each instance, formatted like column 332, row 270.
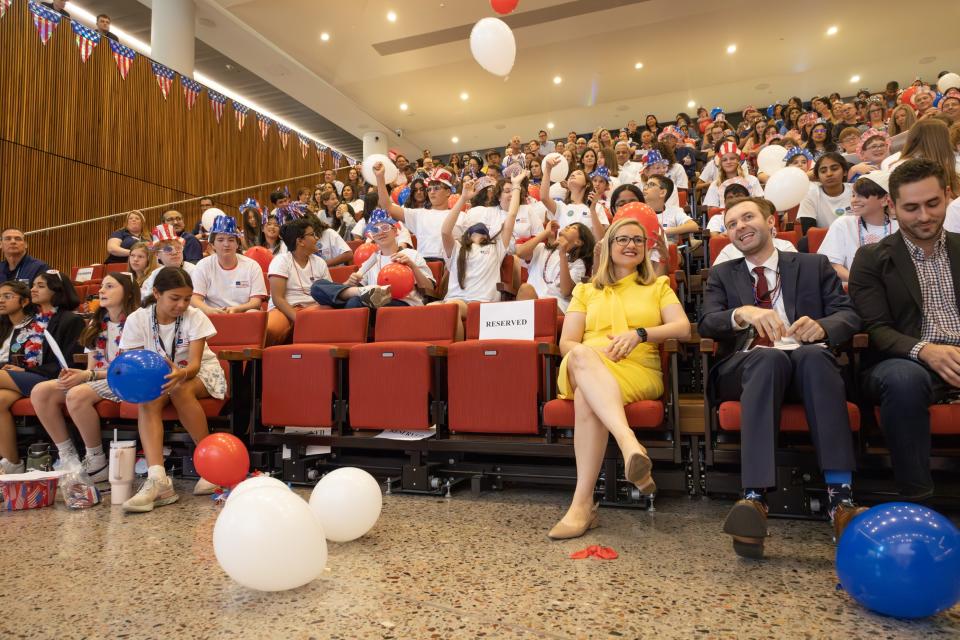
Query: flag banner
column 284, row 135
column 320, row 150
column 87, row 39
column 45, row 19
column 165, row 76
column 4, row 5
column 217, row 102
column 264, row 123
column 241, row 112
column 304, row 145
column 336, row 158
column 124, row 57
column 191, row 91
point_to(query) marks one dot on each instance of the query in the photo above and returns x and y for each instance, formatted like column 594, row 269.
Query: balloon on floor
column 138, row 376
column 901, row 559
column 256, row 482
column 222, row 458
column 269, row 540
column 347, row 502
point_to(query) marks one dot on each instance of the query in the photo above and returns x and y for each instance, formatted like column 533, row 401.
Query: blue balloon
column 137, row 376
column 901, row 559
column 404, row 195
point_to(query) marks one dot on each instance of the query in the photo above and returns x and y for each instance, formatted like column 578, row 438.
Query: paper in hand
column 55, row 348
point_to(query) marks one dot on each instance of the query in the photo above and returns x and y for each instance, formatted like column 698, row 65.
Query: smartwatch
column 642, row 333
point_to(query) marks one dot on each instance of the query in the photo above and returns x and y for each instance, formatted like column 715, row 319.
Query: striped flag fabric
column 191, row 91
column 320, row 150
column 284, row 135
column 165, row 76
column 304, row 145
column 87, row 39
column 264, row 123
column 217, row 103
column 124, row 57
column 241, row 112
column 45, row 19
column 4, row 5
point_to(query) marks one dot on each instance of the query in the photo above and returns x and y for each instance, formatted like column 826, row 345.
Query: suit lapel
column 906, row 269
column 744, row 283
column 789, row 272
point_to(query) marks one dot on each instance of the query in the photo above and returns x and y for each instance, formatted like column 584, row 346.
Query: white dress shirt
column 771, row 269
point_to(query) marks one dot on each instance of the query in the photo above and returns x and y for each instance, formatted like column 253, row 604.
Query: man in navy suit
column 776, row 317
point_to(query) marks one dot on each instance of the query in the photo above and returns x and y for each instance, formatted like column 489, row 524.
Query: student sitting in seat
column 81, row 389
column 291, row 275
column 830, row 198
column 728, row 166
column 227, row 282
column 168, row 247
column 361, row 288
column 673, row 219
column 141, row 263
column 611, row 359
column 732, row 189
column 557, row 262
column 270, row 235
column 52, row 297
column 168, row 325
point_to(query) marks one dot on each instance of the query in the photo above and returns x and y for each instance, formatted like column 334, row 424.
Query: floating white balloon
column 206, row 220
column 787, row 188
column 493, row 46
column 347, row 503
column 770, row 159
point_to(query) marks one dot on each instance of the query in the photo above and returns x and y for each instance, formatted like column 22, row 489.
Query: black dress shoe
column 747, row 523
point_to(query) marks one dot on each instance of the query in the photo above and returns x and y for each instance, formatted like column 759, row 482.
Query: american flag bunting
column 284, row 135
column 4, row 5
column 124, row 57
column 304, row 145
column 241, row 112
column 87, row 40
column 217, row 102
column 264, row 123
column 191, row 91
column 165, row 76
column 45, row 19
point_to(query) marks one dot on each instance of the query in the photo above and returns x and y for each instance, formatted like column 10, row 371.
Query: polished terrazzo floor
column 434, row 568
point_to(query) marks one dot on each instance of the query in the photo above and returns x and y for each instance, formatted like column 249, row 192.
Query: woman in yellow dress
column 609, row 342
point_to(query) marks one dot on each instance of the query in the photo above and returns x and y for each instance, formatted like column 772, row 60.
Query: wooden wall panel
column 77, row 143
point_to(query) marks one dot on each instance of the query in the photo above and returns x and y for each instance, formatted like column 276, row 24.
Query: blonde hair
column 930, row 139
column 152, row 263
column 911, row 119
column 144, row 229
column 605, row 276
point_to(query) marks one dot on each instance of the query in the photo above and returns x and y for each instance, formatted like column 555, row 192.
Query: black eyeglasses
column 624, row 241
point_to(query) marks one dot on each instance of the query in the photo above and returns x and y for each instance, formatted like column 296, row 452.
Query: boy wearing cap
column 169, row 249
column 227, row 282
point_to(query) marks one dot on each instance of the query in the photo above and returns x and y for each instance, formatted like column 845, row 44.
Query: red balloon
column 262, row 255
column 222, row 458
column 907, row 96
column 395, row 196
column 534, row 191
column 643, row 214
column 364, row 251
column 503, row 7
column 399, row 277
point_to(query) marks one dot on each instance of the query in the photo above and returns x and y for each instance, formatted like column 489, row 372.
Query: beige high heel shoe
column 564, row 531
column 637, row 469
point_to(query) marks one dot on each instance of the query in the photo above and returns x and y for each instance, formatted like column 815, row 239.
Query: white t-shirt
column 330, row 245
column 714, row 199
column 730, row 252
column 557, row 192
column 221, row 288
column 544, row 275
column 483, row 273
column 715, row 224
column 630, row 172
column 823, row 208
column 113, row 346
column 952, row 221
column 568, row 214
column 299, row 279
column 709, row 173
column 195, row 325
column 673, row 217
column 847, row 234
column 371, row 271
column 679, row 176
column 426, row 224
column 147, row 288
column 527, row 224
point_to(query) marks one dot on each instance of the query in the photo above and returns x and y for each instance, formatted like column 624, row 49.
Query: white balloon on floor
column 770, row 159
column 347, row 502
column 256, row 482
column 270, row 540
column 787, row 188
column 390, row 171
column 493, row 46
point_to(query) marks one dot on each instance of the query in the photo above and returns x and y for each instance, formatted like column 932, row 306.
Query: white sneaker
column 374, row 296
column 153, row 493
column 97, row 467
column 62, row 464
column 8, row 467
column 204, row 488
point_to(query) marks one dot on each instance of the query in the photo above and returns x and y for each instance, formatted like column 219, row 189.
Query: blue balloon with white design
column 138, row 376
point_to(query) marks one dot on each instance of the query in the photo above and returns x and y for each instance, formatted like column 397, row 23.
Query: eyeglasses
column 435, row 187
column 7, row 297
column 171, row 248
column 876, row 147
column 173, row 219
column 309, row 234
column 624, row 241
column 382, row 227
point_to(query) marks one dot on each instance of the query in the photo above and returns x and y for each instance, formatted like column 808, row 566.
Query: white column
column 172, row 33
column 374, row 142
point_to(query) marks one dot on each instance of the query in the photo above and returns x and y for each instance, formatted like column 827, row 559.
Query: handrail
column 167, row 205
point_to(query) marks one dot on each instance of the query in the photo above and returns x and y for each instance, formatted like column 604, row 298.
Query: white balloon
column 256, row 482
column 270, row 541
column 787, row 188
column 948, row 81
column 347, row 503
column 206, row 220
column 560, row 171
column 390, row 171
column 770, row 159
column 493, row 46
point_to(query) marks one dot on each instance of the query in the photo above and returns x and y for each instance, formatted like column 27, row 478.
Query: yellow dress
column 623, row 307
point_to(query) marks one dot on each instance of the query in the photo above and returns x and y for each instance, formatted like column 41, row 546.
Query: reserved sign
column 507, row 320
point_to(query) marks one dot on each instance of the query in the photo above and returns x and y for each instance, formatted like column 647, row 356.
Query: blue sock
column 838, row 477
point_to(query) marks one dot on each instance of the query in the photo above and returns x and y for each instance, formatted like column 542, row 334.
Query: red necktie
column 762, row 295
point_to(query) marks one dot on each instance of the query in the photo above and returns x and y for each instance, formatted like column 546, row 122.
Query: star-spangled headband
column 654, row 157
column 249, row 203
column 602, row 172
column 793, row 152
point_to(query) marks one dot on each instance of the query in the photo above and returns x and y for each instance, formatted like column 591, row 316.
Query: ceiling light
column 403, row 106
column 691, row 104
column 557, row 79
column 854, row 79
column 638, row 66
column 324, row 36
column 464, row 96
column 549, row 125
column 454, row 139
column 832, row 31
column 391, row 16
column 732, row 48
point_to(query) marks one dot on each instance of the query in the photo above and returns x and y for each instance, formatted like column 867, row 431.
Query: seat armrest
column 253, row 354
column 671, row 345
column 233, row 356
column 79, row 358
column 435, row 351
column 707, row 345
column 548, row 349
column 861, row 341
column 340, row 353
column 506, row 290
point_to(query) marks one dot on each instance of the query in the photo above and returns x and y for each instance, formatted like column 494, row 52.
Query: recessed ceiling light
column 732, row 48
column 454, row 139
column 324, row 36
column 549, row 125
column 391, row 16
column 832, row 31
column 557, row 79
column 691, row 104
column 403, row 106
column 464, row 96
column 854, row 78
column 638, row 65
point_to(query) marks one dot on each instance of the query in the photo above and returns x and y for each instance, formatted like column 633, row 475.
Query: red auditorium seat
column 717, row 243
column 815, row 236
column 340, row 273
column 96, row 274
column 354, row 244
column 116, row 267
column 509, row 373
column 713, row 211
column 793, row 237
column 392, row 379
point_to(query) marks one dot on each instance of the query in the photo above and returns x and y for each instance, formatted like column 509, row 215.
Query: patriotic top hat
column 164, row 233
column 225, row 225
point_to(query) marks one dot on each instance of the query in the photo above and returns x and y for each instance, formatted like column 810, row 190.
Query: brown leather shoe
column 747, row 524
column 844, row 514
column 564, row 531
